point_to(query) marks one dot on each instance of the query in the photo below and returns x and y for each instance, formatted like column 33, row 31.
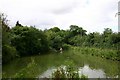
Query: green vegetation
column 68, row 73
column 104, row 53
column 28, row 40
column 34, row 66
column 24, row 41
column 8, row 51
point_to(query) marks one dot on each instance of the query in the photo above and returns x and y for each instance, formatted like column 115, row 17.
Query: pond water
column 86, row 70
column 92, row 73
column 44, row 65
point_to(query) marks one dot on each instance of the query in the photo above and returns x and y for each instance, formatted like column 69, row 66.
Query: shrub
column 66, row 46
column 68, row 73
column 8, row 53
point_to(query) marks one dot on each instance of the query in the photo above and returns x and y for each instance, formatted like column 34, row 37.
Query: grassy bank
column 104, row 53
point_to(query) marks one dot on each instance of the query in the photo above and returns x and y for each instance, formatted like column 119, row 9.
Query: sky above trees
column 92, row 15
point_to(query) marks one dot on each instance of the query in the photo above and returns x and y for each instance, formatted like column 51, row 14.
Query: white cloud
column 92, row 15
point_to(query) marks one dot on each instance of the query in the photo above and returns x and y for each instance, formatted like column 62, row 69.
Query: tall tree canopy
column 8, row 51
column 29, row 40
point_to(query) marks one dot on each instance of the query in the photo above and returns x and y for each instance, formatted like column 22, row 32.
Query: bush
column 65, row 46
column 29, row 40
column 68, row 72
column 8, row 53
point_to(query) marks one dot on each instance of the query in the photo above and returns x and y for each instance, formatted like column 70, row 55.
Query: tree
column 115, row 40
column 8, row 51
column 107, row 32
column 90, row 39
column 29, row 40
column 106, row 37
column 97, row 39
column 75, row 30
column 55, row 29
column 18, row 24
column 55, row 38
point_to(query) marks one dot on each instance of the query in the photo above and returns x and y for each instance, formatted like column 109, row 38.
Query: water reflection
column 86, row 70
column 92, row 73
column 47, row 73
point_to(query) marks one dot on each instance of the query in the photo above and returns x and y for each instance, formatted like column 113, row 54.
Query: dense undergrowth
column 104, row 53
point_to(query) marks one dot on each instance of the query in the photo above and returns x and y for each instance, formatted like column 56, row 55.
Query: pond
column 44, row 65
column 86, row 70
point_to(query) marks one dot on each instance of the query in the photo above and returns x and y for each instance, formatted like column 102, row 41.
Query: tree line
column 20, row 40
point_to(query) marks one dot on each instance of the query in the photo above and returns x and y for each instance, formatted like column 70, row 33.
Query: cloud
column 68, row 6
column 92, row 15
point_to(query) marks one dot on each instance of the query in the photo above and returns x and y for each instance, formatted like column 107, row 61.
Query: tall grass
column 104, row 53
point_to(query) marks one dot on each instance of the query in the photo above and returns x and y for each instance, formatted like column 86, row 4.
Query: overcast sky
column 92, row 15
